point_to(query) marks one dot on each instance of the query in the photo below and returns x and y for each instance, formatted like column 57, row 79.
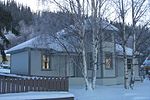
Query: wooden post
column 8, row 85
column 3, row 85
column 21, row 85
column 0, row 85
column 17, row 84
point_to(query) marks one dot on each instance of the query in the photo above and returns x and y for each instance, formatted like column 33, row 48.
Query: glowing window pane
column 45, row 62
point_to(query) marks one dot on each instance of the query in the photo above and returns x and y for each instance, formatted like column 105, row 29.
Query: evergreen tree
column 5, row 25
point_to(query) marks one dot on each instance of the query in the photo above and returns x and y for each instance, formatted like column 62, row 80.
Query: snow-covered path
column 141, row 91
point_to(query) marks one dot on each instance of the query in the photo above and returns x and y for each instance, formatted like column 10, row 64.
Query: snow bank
column 141, row 91
column 35, row 95
column 2, row 70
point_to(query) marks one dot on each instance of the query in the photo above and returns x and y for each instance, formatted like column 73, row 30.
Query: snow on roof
column 50, row 42
column 43, row 42
column 147, row 62
column 10, row 36
column 119, row 50
column 35, row 95
column 6, row 54
column 62, row 32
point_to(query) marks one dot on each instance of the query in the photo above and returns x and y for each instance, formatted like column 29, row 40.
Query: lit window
column 45, row 62
column 108, row 61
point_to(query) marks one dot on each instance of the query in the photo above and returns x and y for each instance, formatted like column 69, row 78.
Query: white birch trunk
column 85, row 71
column 126, row 83
column 85, row 74
column 81, row 9
column 134, row 42
column 95, row 65
column 95, row 59
column 94, row 41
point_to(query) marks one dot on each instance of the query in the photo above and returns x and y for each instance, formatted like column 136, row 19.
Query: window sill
column 108, row 68
column 46, row 70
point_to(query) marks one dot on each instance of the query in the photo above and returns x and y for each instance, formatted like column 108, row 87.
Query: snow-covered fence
column 15, row 85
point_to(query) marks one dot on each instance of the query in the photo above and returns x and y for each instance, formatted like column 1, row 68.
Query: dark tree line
column 18, row 12
column 52, row 22
column 5, row 25
column 10, row 16
column 31, row 24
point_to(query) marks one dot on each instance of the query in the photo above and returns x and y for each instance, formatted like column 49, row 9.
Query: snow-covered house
column 41, row 56
column 46, row 56
column 146, row 65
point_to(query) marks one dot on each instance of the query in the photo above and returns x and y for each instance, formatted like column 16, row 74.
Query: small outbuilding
column 41, row 56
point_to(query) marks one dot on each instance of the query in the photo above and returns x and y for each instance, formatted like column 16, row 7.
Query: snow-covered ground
column 2, row 70
column 35, row 95
column 141, row 91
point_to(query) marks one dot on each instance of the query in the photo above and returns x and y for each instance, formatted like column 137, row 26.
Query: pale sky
column 35, row 5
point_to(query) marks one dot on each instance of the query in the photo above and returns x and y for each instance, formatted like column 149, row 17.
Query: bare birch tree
column 85, row 11
column 138, row 10
column 121, row 11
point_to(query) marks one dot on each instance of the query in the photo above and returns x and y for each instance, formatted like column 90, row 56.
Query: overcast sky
column 35, row 5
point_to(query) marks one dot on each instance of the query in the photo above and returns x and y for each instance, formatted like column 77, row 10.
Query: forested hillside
column 18, row 12
column 32, row 24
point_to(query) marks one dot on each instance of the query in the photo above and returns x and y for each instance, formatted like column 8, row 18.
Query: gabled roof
column 50, row 42
column 43, row 42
